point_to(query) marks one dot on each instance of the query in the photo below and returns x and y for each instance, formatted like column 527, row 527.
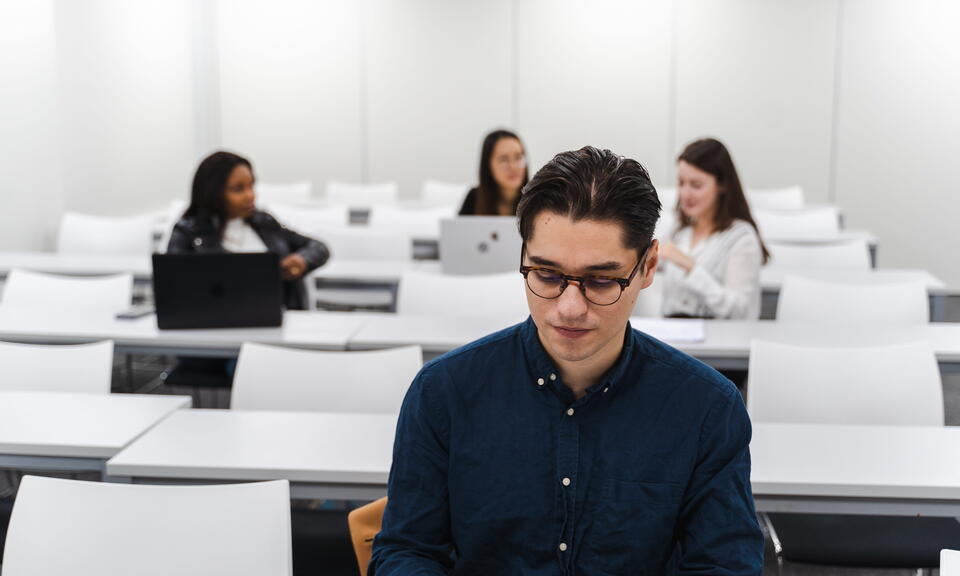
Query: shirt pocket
column 633, row 526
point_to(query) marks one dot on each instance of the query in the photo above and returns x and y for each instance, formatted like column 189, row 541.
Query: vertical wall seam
column 514, row 66
column 364, row 101
column 674, row 88
column 835, row 112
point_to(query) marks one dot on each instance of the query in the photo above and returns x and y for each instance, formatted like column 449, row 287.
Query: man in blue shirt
column 572, row 444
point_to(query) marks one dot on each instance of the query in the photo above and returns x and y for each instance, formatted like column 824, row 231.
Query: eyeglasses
column 549, row 284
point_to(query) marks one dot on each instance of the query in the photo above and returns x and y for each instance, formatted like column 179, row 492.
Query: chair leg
column 774, row 539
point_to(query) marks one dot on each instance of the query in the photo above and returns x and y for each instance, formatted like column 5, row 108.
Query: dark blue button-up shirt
column 498, row 469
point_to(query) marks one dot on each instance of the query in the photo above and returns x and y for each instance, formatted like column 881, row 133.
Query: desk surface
column 69, row 425
column 321, row 331
column 865, row 466
column 889, row 462
column 231, row 445
column 76, row 264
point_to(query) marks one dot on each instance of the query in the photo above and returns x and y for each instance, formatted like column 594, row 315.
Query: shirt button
column 605, row 389
column 553, row 377
column 539, row 381
column 565, row 481
column 569, row 411
column 563, row 546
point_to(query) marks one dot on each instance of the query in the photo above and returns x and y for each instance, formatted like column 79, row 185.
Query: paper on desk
column 671, row 329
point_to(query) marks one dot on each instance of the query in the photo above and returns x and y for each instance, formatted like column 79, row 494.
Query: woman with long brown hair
column 503, row 173
column 713, row 259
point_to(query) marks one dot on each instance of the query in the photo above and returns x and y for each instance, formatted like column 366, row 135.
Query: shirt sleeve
column 736, row 296
column 415, row 536
column 719, row 532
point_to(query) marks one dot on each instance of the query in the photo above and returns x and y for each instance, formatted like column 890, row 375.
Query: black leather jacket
column 203, row 236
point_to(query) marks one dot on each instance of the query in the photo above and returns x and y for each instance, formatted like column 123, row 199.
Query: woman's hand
column 670, row 253
column 293, row 266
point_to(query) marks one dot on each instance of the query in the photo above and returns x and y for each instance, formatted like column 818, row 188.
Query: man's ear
column 650, row 264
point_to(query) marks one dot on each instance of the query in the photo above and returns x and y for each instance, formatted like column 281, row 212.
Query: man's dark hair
column 593, row 184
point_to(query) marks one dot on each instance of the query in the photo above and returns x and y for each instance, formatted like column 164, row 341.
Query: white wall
column 29, row 156
column 899, row 130
column 759, row 75
column 595, row 73
column 855, row 100
column 126, row 97
column 290, row 87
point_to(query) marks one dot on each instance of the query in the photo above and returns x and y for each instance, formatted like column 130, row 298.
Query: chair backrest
column 848, row 254
column 361, row 243
column 311, row 220
column 172, row 215
column 283, row 192
column 882, row 385
column 89, row 234
column 104, row 529
column 413, row 221
column 102, row 294
column 274, row 378
column 789, row 198
column 68, row 368
column 491, row 295
column 820, row 222
column 949, row 562
column 363, row 195
column 436, row 193
column 365, row 523
column 809, row 300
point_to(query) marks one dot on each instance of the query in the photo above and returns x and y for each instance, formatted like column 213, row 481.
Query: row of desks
column 724, row 344
column 151, row 439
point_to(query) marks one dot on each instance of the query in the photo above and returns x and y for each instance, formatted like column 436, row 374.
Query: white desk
column 726, row 343
column 796, row 468
column 885, row 470
column 335, row 456
column 65, row 431
column 77, row 264
column 313, row 330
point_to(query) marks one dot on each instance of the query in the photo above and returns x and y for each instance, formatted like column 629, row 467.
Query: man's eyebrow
column 602, row 267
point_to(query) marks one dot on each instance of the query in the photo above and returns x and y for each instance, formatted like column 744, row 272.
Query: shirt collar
column 544, row 373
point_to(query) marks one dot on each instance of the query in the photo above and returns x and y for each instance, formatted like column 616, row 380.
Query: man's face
column 571, row 328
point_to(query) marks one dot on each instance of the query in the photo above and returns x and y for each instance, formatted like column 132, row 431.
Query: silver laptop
column 479, row 245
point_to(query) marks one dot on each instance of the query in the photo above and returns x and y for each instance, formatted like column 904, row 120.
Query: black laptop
column 217, row 290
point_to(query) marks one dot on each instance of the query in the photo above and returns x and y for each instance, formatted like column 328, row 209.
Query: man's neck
column 578, row 376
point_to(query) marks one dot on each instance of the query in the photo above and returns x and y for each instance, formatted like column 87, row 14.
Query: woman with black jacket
column 223, row 217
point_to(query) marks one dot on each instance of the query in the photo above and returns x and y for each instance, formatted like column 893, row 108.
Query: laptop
column 479, row 245
column 217, row 290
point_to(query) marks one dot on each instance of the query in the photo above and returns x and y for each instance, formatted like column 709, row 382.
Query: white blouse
column 725, row 279
column 238, row 236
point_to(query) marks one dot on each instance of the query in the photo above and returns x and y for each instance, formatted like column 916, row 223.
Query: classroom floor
column 146, row 370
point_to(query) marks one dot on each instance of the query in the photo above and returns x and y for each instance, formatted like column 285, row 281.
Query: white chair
column 362, row 195
column 70, row 368
column 846, row 254
column 286, row 379
column 172, row 215
column 436, row 193
column 104, row 529
column 650, row 301
column 361, row 243
column 815, row 223
column 89, row 234
column 105, row 295
column 311, row 220
column 881, row 385
column 493, row 295
column 417, row 222
column 668, row 199
column 949, row 562
column 283, row 192
column 870, row 304
column 789, row 198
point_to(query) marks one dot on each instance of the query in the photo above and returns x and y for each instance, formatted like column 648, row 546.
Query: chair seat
column 865, row 541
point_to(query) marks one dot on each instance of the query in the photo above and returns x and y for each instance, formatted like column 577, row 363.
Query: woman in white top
column 713, row 259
